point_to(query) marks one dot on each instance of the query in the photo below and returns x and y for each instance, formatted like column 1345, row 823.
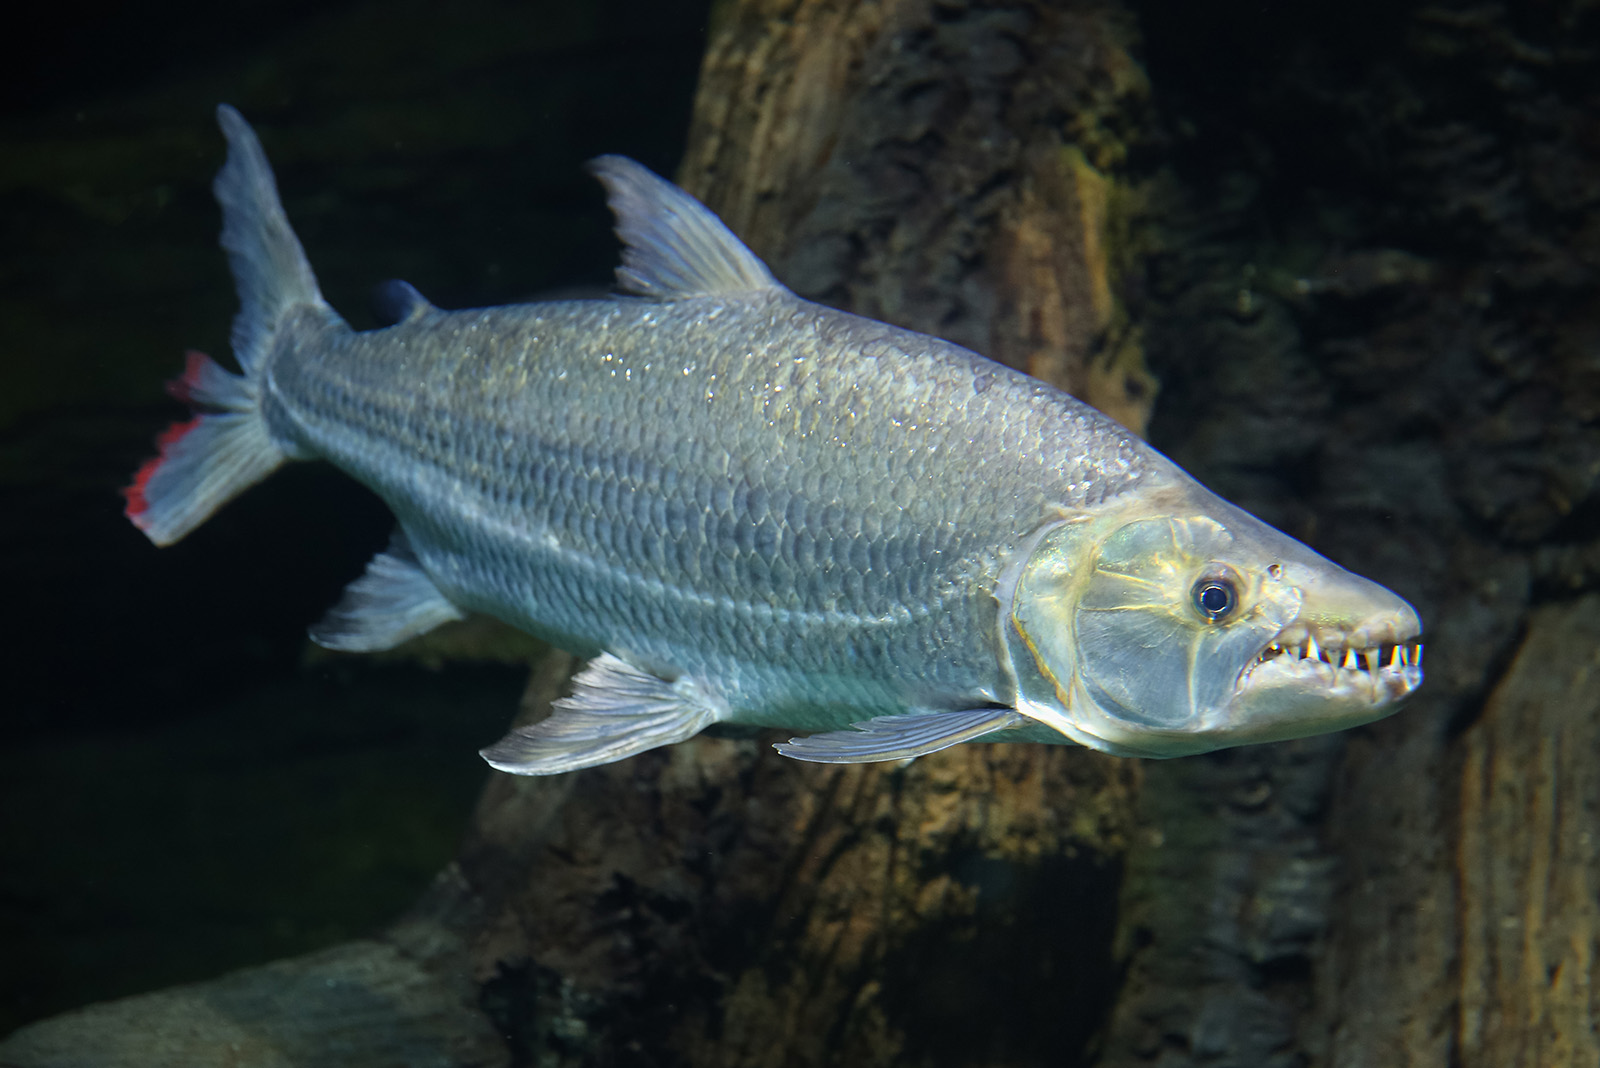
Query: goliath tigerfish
column 748, row 508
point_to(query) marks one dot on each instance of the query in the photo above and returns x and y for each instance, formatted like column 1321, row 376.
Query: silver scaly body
column 748, row 508
column 811, row 508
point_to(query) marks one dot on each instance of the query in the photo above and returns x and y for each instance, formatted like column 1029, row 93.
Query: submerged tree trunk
column 933, row 167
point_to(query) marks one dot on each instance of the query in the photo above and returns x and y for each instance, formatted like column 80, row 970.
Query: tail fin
column 221, row 452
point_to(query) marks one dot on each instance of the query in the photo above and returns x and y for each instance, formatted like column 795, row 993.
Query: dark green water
column 179, row 793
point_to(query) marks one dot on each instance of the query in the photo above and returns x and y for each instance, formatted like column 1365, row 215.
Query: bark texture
column 1529, row 865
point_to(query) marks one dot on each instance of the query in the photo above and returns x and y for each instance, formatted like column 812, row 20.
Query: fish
column 745, row 509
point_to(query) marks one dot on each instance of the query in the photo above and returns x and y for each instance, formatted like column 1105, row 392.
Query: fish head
column 1176, row 623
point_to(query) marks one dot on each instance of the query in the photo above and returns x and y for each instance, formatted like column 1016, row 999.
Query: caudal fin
column 227, row 447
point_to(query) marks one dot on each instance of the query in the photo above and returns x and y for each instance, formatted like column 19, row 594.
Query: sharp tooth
column 1312, row 652
column 1394, row 657
column 1417, row 660
column 1349, row 660
column 1405, row 656
column 1371, row 657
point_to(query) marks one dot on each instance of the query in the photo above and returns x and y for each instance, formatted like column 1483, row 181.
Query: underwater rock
column 363, row 1003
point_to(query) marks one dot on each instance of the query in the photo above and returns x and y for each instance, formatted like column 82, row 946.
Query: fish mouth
column 1381, row 668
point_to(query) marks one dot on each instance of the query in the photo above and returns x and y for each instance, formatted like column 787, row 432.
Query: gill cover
column 1151, row 653
column 1152, row 637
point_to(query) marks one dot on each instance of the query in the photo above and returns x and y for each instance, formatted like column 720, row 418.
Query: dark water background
column 180, row 791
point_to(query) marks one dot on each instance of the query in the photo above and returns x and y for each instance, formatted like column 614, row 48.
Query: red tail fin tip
column 134, row 492
column 194, row 368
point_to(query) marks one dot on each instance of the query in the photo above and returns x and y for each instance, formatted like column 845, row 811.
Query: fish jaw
column 1114, row 648
column 1351, row 656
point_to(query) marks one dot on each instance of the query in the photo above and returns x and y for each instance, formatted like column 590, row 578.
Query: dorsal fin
column 394, row 302
column 673, row 246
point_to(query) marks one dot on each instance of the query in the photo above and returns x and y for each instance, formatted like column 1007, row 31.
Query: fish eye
column 1215, row 598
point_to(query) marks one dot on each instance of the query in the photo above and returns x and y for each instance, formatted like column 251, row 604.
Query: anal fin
column 392, row 601
column 616, row 710
column 900, row 737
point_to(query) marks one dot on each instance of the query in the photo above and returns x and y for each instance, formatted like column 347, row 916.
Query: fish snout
column 1342, row 610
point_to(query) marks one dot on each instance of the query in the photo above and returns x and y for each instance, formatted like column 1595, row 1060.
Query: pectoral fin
column 900, row 737
column 616, row 710
column 393, row 600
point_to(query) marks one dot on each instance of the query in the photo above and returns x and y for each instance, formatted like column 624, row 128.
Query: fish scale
column 745, row 507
